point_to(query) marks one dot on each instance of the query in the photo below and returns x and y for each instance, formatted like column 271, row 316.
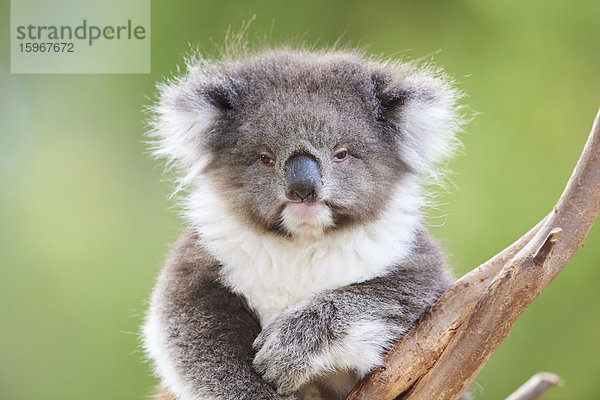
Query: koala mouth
column 306, row 218
column 306, row 210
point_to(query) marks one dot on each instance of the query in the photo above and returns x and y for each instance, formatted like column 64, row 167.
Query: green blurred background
column 85, row 218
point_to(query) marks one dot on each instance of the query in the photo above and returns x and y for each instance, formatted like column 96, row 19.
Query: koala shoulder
column 429, row 262
column 188, row 264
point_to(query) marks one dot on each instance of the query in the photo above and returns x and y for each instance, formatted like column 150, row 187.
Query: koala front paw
column 284, row 351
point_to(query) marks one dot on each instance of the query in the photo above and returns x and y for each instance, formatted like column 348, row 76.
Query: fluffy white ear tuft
column 181, row 121
column 426, row 115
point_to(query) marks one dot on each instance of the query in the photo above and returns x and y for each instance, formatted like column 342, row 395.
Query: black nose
column 303, row 178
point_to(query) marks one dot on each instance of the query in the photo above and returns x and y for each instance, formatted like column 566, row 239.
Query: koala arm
column 199, row 334
column 349, row 328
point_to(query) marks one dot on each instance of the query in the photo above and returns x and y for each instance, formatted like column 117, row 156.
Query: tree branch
column 535, row 386
column 441, row 356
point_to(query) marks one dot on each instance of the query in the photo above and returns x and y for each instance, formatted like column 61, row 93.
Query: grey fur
column 210, row 331
column 396, row 120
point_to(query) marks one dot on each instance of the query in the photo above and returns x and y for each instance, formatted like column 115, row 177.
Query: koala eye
column 267, row 159
column 340, row 155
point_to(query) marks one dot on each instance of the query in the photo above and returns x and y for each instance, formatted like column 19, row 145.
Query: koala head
column 298, row 143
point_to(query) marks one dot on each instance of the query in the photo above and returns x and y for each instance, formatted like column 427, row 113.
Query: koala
column 305, row 255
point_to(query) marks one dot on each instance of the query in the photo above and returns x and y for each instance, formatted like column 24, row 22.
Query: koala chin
column 305, row 254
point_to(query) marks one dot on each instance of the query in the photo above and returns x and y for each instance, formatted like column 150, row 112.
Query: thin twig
column 535, row 386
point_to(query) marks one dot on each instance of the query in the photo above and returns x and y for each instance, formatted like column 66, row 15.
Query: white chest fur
column 274, row 273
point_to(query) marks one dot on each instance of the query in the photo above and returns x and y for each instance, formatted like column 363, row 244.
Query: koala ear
column 422, row 110
column 221, row 95
column 183, row 119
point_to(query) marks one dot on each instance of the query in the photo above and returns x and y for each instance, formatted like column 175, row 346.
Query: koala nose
column 303, row 178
